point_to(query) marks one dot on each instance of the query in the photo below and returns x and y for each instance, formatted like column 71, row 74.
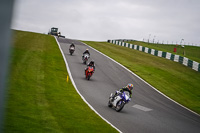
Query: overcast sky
column 100, row 20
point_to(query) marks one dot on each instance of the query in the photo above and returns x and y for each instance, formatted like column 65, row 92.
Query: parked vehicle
column 54, row 31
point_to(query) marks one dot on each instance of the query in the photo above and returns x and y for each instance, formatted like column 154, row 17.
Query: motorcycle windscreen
column 90, row 69
column 86, row 55
column 126, row 97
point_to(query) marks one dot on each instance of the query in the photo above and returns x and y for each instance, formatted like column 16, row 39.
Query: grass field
column 39, row 99
column 177, row 81
column 191, row 52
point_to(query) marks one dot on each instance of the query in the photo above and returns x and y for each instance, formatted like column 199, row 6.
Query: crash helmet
column 130, row 86
column 92, row 62
column 87, row 50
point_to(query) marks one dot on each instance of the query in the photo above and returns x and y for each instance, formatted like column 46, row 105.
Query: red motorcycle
column 89, row 72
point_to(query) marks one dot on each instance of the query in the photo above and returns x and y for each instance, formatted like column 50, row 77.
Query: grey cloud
column 109, row 19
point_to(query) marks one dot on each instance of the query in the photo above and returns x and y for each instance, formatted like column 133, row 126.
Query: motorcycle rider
column 91, row 64
column 86, row 52
column 72, row 45
column 127, row 88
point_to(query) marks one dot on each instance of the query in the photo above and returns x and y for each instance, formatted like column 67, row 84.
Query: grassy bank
column 177, row 81
column 191, row 52
column 39, row 99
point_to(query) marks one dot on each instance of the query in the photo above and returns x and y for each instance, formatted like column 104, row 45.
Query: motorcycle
column 71, row 50
column 85, row 58
column 118, row 101
column 89, row 72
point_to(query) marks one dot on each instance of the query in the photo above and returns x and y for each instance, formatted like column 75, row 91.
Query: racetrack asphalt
column 148, row 112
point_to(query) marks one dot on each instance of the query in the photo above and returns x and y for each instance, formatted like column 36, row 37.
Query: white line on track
column 144, row 81
column 124, row 68
column 141, row 108
column 70, row 75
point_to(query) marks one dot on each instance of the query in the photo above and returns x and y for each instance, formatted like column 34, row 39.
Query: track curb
column 72, row 80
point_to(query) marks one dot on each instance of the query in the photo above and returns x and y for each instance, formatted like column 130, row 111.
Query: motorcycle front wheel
column 88, row 77
column 120, row 105
column 109, row 104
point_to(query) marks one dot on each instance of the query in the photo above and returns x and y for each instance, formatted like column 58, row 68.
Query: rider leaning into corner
column 127, row 88
column 90, row 64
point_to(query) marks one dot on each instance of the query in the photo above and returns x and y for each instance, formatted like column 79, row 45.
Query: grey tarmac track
column 148, row 112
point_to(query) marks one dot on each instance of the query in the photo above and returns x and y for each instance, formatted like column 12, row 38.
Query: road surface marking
column 72, row 80
column 141, row 107
column 143, row 79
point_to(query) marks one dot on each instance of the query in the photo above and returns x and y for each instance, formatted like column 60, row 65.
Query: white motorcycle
column 118, row 101
column 85, row 58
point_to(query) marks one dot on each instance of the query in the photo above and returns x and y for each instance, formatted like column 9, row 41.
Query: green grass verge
column 191, row 52
column 177, row 81
column 39, row 99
